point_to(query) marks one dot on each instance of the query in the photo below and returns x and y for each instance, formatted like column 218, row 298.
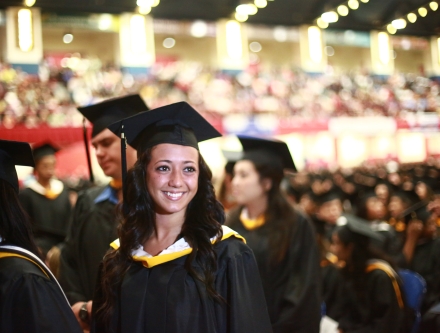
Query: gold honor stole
column 184, row 249
column 392, row 275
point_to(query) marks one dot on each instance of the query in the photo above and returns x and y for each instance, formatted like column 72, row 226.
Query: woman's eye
column 163, row 168
column 190, row 169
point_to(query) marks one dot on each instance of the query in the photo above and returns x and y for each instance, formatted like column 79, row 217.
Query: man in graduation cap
column 46, row 199
column 94, row 221
column 30, row 297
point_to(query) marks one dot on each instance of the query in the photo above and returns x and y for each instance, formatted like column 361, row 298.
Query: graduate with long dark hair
column 282, row 240
column 30, row 297
column 175, row 268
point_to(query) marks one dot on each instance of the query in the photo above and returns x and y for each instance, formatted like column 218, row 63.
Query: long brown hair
column 203, row 220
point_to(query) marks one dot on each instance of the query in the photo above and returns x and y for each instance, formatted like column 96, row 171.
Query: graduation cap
column 417, row 211
column 14, row 153
column 273, row 151
column 44, row 149
column 231, row 158
column 102, row 114
column 333, row 194
column 353, row 228
column 177, row 123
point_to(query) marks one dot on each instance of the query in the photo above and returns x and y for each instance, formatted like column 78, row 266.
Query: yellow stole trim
column 391, row 275
column 9, row 254
column 252, row 224
column 116, row 184
column 160, row 259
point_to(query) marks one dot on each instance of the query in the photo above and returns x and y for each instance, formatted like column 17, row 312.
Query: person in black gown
column 93, row 222
column 175, row 268
column 30, row 297
column 282, row 239
column 370, row 298
column 46, row 199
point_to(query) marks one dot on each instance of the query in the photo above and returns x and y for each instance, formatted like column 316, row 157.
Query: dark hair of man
column 204, row 217
column 354, row 270
column 15, row 224
column 280, row 216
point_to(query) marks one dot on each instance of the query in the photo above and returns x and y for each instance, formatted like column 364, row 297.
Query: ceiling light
column 399, row 23
column 169, row 43
column 105, row 21
column 343, row 10
column 280, row 34
column 353, row 4
column 25, row 30
column 199, row 29
column 330, row 17
column 260, row 3
column 391, row 29
column 321, row 23
column 433, row 5
column 155, row 3
column 67, row 38
column 365, row 1
column 423, row 11
column 329, row 51
column 241, row 17
column 248, row 9
column 412, row 17
column 29, row 3
column 255, row 47
column 144, row 10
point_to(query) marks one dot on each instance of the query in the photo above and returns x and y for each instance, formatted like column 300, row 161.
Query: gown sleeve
column 245, row 310
column 35, row 305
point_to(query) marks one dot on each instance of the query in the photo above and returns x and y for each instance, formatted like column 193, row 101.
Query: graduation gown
column 30, row 301
column 426, row 262
column 164, row 298
column 380, row 312
column 93, row 229
column 292, row 287
column 50, row 217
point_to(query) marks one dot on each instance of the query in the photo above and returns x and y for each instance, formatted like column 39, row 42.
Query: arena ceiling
column 372, row 15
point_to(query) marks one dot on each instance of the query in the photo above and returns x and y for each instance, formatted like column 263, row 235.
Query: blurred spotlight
column 280, row 34
column 255, row 47
column 169, row 43
column 391, row 29
column 399, row 23
column 423, row 11
column 353, row 4
column 29, row 3
column 260, row 3
column 433, row 5
column 199, row 29
column 343, row 10
column 67, row 38
column 412, row 17
column 241, row 17
column 321, row 23
column 329, row 51
column 330, row 17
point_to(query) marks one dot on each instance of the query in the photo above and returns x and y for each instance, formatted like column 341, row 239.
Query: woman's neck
column 168, row 228
column 256, row 208
column 44, row 182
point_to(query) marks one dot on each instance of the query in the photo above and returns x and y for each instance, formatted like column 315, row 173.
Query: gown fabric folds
column 167, row 299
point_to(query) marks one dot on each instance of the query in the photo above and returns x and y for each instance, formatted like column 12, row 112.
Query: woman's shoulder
column 232, row 245
column 12, row 268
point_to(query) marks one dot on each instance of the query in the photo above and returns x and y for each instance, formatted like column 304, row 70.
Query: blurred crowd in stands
column 51, row 97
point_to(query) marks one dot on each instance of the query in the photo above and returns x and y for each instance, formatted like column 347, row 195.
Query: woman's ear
column 266, row 183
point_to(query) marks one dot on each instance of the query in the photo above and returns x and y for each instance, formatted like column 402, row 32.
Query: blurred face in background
column 396, row 206
column 375, row 208
column 45, row 167
column 330, row 211
column 430, row 227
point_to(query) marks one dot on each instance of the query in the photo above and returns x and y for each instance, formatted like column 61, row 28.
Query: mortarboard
column 353, row 227
column 273, row 151
column 14, row 153
column 333, row 194
column 44, row 149
column 417, row 211
column 231, row 158
column 102, row 114
column 177, row 123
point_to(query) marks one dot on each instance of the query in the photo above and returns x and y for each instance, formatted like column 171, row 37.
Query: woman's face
column 172, row 177
column 375, row 209
column 339, row 249
column 396, row 206
column 246, row 184
column 430, row 227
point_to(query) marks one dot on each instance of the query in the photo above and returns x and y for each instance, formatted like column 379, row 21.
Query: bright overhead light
column 241, row 17
column 330, row 17
column 412, row 17
column 169, row 43
column 29, row 3
column 353, row 4
column 280, row 34
column 25, row 30
column 399, row 23
column 155, row 3
column 67, row 38
column 260, row 3
column 199, row 29
column 248, row 9
column 343, row 10
column 255, row 47
column 433, row 5
column 365, row 1
column 423, row 11
column 144, row 10
column 321, row 23
column 391, row 29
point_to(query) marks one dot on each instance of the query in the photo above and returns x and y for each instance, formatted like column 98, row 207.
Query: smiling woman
column 176, row 268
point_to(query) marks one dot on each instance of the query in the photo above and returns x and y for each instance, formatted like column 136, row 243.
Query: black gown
column 379, row 312
column 50, row 217
column 292, row 287
column 93, row 229
column 165, row 298
column 31, row 302
column 426, row 262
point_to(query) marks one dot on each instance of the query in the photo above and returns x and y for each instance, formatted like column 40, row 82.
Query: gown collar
column 179, row 249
